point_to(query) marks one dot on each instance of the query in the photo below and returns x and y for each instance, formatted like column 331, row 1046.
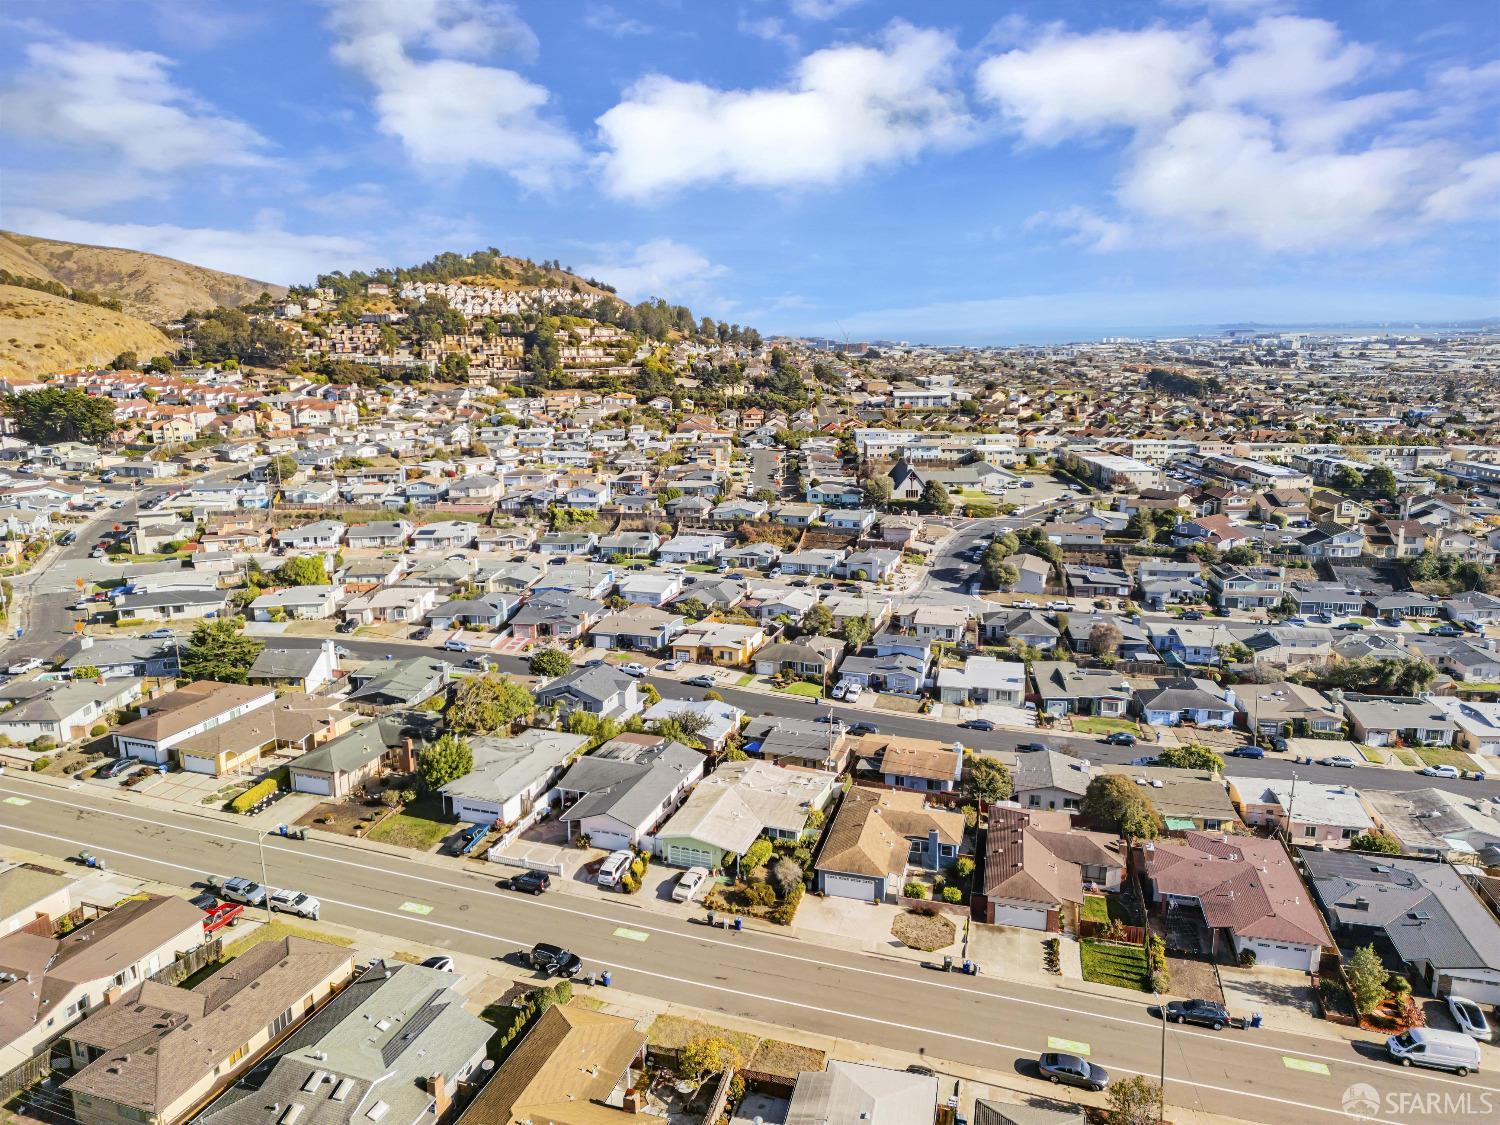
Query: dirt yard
column 927, row 932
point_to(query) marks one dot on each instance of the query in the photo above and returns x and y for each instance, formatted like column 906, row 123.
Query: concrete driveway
column 1016, row 954
column 1283, row 997
column 848, row 922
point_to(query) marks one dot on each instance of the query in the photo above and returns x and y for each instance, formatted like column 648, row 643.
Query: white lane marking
column 486, row 935
column 973, row 992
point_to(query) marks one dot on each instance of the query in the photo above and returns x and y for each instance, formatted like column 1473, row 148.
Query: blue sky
column 963, row 172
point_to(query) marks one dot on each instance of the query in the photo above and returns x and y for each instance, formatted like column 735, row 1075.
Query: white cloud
column 1072, row 84
column 449, row 111
column 821, row 9
column 1083, row 226
column 847, row 108
column 267, row 252
column 609, row 20
column 1282, row 63
column 123, row 105
column 1474, row 191
column 657, row 268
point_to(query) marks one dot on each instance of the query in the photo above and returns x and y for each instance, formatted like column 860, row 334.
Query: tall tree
column 935, row 499
column 447, row 759
column 1115, row 800
column 987, row 780
column 304, row 570
column 488, row 703
column 52, row 414
column 217, row 650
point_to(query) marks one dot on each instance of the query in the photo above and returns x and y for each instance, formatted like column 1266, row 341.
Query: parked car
column 1342, row 761
column 1070, row 1070
column 69, row 538
column 220, row 915
column 1247, row 752
column 554, row 960
column 864, row 728
column 1120, row 738
column 21, row 667
column 346, row 626
column 1355, row 627
column 117, row 767
column 97, row 553
column 976, row 724
column 1440, row 1050
column 1439, row 771
column 206, row 901
column 1205, row 1013
column 1032, row 747
column 442, row 963
column 1192, row 615
column 159, row 635
column 700, row 681
column 615, row 867
column 295, row 902
column 422, row 634
column 634, row 668
column 689, row 883
column 1470, row 1018
column 669, row 666
column 244, row 891
column 453, row 644
column 529, row 882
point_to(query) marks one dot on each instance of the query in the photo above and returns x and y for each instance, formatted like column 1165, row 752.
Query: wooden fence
column 1132, row 935
column 188, row 963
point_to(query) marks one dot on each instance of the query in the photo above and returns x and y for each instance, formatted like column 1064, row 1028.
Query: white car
column 1470, row 1018
column 1342, row 761
column 669, row 666
column 1064, row 607
column 21, row 667
column 634, row 669
column 158, row 635
column 453, row 645
column 1026, row 603
column 1439, row 771
column 689, row 883
column 295, row 902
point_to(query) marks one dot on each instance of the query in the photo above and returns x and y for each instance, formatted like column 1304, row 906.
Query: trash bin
column 1255, row 1019
column 947, row 964
column 968, row 967
column 739, row 923
column 605, row 979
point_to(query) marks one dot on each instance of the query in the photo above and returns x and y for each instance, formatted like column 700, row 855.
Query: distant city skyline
column 963, row 173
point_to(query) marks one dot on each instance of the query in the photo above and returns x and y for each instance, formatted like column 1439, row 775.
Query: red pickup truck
column 225, row 914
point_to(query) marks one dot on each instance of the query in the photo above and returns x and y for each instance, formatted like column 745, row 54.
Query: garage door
column 1479, row 991
column 1020, row 916
column 610, row 841
column 681, row 856
column 1280, row 956
column 304, row 783
column 846, row 886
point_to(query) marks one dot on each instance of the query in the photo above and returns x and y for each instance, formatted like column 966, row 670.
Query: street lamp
column 1161, row 1083
column 265, row 882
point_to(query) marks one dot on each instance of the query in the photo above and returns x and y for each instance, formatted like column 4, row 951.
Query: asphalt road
column 984, row 1021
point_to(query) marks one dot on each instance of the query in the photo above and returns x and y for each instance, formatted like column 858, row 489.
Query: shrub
column 42, row 744
column 757, row 854
column 253, row 796
column 638, row 869
column 761, row 894
column 1161, row 981
column 952, row 894
column 98, row 730
column 1247, row 958
column 782, row 915
column 785, row 874
column 630, row 884
column 915, row 889
column 40, row 764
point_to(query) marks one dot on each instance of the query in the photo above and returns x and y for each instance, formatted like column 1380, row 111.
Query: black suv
column 531, row 882
column 554, row 960
column 1203, row 1012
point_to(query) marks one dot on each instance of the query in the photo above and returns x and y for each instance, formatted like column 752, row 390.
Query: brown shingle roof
column 870, row 833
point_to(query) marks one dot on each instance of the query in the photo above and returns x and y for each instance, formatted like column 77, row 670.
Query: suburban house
column 161, row 1051
column 850, row 1093
column 1231, row 894
column 983, row 679
column 116, row 657
column 799, row 742
column 718, row 642
column 1246, row 587
column 1290, row 709
column 294, row 723
column 510, row 775
column 1046, row 779
column 1391, row 720
column 1063, row 688
column 399, row 1035
column 815, row 563
column 1018, row 627
column 649, row 589
column 641, row 627
column 1025, row 882
column 1033, row 573
column 343, row 765
column 811, row 657
column 299, row 603
column 902, row 762
column 1309, row 812
column 1201, row 702
column 171, row 719
column 684, row 549
column 1186, row 799
column 876, row 834
column 398, row 682
column 488, row 611
column 323, row 535
column 62, row 710
column 169, row 605
column 378, row 534
column 47, row 983
column 621, row 792
column 553, row 615
column 1476, row 723
column 444, row 535
column 723, row 719
column 573, row 1067
column 1096, row 581
column 32, row 896
column 598, row 689
column 305, row 669
column 740, row 801
column 1430, row 915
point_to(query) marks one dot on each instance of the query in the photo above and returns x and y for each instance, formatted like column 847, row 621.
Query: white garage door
column 1020, row 916
column 304, row 783
column 610, row 841
column 681, row 856
column 846, row 886
column 198, row 765
column 1281, row 956
column 476, row 812
column 1479, row 991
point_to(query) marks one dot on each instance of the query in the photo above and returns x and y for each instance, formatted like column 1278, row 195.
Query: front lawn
column 1371, row 754
column 809, row 691
column 1404, row 756
column 1096, row 909
column 1123, row 966
column 1099, row 725
column 275, row 930
column 421, row 826
column 1444, row 756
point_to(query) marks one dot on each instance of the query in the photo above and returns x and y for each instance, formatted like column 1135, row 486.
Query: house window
column 1212, row 825
column 948, row 851
column 1350, row 833
column 1034, row 800
column 1310, row 830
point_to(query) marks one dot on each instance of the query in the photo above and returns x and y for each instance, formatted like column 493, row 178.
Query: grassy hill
column 40, row 332
column 149, row 286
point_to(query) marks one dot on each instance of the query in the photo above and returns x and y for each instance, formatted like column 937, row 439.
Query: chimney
column 631, row 1103
column 111, row 994
column 434, row 1086
column 408, row 763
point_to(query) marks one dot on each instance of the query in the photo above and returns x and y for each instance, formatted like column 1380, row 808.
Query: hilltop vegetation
column 43, row 332
column 148, row 286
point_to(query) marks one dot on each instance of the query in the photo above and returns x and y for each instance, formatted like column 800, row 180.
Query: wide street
column 984, row 1021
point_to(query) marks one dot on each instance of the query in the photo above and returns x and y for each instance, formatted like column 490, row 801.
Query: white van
column 1441, row 1050
column 615, row 867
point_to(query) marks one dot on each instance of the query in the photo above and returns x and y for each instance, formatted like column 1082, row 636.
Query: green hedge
column 255, row 794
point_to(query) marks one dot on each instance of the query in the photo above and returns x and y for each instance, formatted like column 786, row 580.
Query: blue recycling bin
column 739, row 923
column 604, row 980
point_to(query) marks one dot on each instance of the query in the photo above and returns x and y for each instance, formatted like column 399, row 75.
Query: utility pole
column 1161, row 1083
